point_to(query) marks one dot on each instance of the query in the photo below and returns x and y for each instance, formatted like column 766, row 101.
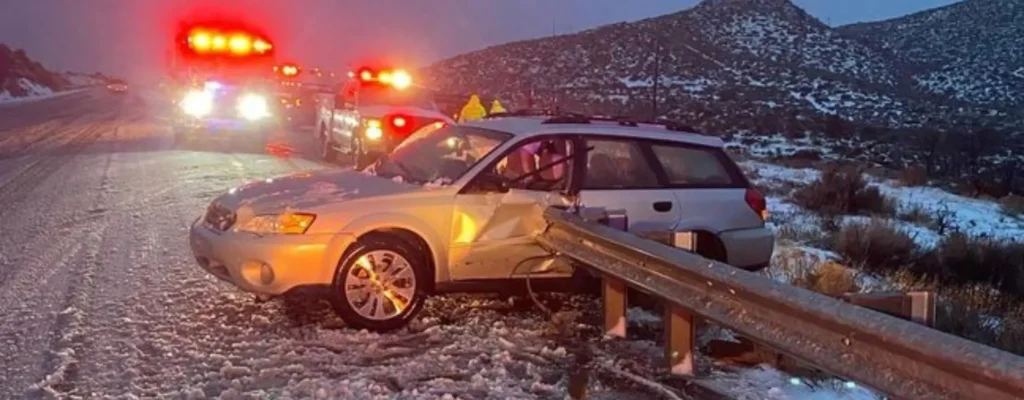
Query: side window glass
column 545, row 164
column 692, row 166
column 617, row 164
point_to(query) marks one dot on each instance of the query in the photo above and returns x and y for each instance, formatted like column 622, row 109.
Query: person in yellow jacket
column 496, row 107
column 472, row 110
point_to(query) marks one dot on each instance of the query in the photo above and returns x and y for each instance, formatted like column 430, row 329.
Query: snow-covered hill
column 724, row 65
column 22, row 77
column 972, row 50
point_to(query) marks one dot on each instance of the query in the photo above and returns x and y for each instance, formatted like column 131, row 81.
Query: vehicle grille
column 225, row 106
column 219, row 217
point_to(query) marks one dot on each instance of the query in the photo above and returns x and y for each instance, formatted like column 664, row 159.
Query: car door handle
column 663, row 206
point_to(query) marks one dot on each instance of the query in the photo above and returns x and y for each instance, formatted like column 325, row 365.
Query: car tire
column 327, row 150
column 356, row 155
column 401, row 269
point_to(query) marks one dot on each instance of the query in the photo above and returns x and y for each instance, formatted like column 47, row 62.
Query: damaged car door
column 498, row 214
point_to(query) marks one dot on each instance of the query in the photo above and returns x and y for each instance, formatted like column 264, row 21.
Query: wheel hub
column 380, row 285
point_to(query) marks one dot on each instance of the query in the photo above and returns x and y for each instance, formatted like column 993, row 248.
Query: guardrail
column 893, row 356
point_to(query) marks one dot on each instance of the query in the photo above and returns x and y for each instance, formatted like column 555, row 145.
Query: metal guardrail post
column 922, row 308
column 613, row 295
column 680, row 340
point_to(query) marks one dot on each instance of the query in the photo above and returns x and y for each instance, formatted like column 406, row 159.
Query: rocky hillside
column 973, row 50
column 20, row 76
column 762, row 65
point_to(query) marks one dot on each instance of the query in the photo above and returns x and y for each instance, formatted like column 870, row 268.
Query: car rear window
column 617, row 164
column 695, row 166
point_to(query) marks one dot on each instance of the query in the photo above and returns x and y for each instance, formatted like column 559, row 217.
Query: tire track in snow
column 19, row 192
column 42, row 165
column 69, row 333
column 165, row 328
column 42, row 255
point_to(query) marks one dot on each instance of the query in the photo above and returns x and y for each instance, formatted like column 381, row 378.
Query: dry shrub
column 1013, row 205
column 983, row 315
column 829, row 278
column 842, row 190
column 918, row 215
column 915, row 175
column 799, row 233
column 875, row 246
column 789, row 264
column 960, row 258
column 806, row 154
column 784, row 188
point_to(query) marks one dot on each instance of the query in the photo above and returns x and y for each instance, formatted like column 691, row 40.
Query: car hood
column 309, row 190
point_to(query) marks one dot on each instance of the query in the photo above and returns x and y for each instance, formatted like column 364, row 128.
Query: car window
column 439, row 155
column 685, row 165
column 549, row 156
column 617, row 164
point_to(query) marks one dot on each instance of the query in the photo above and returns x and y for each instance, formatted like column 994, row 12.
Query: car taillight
column 757, row 202
column 399, row 122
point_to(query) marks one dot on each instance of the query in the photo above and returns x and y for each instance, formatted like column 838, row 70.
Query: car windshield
column 374, row 95
column 439, row 154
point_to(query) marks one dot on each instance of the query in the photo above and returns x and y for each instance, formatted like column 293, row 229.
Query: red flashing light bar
column 398, row 78
column 237, row 43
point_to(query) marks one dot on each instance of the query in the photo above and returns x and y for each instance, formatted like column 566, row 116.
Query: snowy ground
column 100, row 296
column 972, row 216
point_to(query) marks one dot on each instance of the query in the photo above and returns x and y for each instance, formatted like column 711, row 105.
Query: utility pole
column 658, row 50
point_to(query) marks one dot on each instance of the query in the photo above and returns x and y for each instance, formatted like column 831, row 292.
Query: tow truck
column 374, row 111
column 225, row 86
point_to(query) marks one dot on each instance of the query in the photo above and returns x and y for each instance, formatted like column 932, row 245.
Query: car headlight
column 374, row 130
column 197, row 103
column 253, row 107
column 278, row 224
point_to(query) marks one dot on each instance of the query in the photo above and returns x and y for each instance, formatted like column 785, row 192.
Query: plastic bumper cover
column 268, row 265
column 749, row 249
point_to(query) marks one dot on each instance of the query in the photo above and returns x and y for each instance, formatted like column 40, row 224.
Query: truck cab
column 371, row 113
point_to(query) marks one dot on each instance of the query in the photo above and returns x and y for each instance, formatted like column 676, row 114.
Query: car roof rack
column 562, row 117
column 573, row 118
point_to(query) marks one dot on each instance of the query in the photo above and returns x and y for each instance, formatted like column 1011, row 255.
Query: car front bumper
column 749, row 249
column 222, row 124
column 269, row 265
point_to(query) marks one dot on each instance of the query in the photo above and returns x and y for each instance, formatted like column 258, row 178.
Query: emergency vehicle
column 374, row 111
column 224, row 84
column 298, row 93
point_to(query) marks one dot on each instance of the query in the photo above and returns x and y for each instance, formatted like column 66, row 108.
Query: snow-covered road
column 99, row 296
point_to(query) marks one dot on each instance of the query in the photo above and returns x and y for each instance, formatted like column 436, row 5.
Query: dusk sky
column 129, row 37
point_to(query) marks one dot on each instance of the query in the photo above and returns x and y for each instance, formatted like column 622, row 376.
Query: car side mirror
column 491, row 182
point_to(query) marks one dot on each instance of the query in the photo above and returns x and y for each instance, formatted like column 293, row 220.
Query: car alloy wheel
column 327, row 151
column 379, row 286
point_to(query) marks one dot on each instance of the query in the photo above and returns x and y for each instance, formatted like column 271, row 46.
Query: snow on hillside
column 80, row 79
column 728, row 65
column 31, row 89
column 969, row 50
column 23, row 79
